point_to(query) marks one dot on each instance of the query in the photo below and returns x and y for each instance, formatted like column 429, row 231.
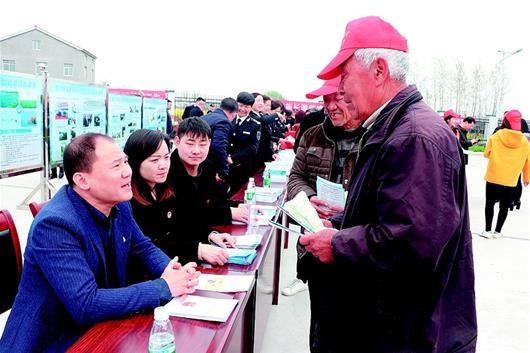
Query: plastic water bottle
column 250, row 192
column 162, row 339
column 267, row 178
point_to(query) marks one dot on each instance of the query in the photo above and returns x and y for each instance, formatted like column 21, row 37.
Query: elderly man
column 404, row 278
column 79, row 245
column 327, row 150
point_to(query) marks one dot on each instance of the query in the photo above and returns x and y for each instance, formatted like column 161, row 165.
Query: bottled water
column 161, row 339
column 267, row 178
column 250, row 192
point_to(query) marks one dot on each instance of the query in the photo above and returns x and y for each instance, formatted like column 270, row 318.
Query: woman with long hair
column 156, row 209
column 508, row 152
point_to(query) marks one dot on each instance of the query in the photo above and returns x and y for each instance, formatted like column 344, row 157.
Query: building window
column 40, row 63
column 68, row 70
column 35, row 44
column 8, row 65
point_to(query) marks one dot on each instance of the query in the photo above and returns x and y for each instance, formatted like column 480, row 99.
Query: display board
column 21, row 132
column 154, row 114
column 125, row 116
column 75, row 109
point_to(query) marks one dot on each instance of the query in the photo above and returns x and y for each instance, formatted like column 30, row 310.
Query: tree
column 274, row 95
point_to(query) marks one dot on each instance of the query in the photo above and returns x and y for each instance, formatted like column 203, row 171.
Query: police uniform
column 242, row 149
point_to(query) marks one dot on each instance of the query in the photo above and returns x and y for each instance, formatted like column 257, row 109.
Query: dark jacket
column 265, row 149
column 315, row 157
column 309, row 121
column 464, row 142
column 404, row 256
column 202, row 202
column 221, row 133
column 245, row 140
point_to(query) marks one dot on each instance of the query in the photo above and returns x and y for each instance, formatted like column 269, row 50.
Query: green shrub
column 477, row 148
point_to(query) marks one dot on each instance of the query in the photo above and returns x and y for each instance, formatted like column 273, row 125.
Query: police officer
column 244, row 143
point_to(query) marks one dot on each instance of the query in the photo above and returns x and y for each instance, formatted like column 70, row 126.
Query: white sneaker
column 497, row 235
column 296, row 286
column 487, row 234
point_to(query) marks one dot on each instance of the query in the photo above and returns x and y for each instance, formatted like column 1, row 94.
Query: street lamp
column 500, row 79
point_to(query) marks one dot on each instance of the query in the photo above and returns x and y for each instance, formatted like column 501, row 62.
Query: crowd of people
column 391, row 272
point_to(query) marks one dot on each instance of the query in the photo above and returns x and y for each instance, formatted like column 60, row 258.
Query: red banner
column 297, row 105
column 139, row 92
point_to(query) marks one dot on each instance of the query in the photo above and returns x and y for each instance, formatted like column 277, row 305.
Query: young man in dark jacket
column 403, row 275
column 220, row 122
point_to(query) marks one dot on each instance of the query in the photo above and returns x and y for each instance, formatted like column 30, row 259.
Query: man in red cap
column 403, row 280
column 326, row 150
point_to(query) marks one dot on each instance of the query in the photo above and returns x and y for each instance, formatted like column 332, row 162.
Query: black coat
column 221, row 133
column 245, row 141
column 404, row 250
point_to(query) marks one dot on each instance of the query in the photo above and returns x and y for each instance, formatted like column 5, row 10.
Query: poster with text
column 21, row 119
column 125, row 116
column 154, row 114
column 75, row 109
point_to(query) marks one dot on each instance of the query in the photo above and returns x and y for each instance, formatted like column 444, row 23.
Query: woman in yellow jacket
column 508, row 151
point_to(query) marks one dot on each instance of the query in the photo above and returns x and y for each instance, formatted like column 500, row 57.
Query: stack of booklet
column 249, row 241
column 240, row 256
column 201, row 308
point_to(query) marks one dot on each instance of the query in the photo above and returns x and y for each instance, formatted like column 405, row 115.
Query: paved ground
column 502, row 273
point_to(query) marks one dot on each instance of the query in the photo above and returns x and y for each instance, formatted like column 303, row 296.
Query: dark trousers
column 494, row 193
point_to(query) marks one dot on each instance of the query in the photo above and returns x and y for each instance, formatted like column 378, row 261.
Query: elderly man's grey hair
column 398, row 61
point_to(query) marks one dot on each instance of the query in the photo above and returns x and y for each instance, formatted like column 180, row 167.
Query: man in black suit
column 195, row 109
column 243, row 144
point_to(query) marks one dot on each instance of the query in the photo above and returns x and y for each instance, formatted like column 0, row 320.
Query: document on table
column 201, row 308
column 225, row 283
column 332, row 193
column 249, row 241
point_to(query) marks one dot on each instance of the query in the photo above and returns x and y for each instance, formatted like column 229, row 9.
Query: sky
column 226, row 46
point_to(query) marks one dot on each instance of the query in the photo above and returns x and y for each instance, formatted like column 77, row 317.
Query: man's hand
column 327, row 223
column 319, row 243
column 240, row 213
column 474, row 141
column 324, row 210
column 181, row 279
column 275, row 156
column 212, row 254
column 229, row 159
column 223, row 239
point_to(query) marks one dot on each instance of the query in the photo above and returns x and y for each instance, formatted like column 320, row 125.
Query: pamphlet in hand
column 332, row 193
column 201, row 308
column 249, row 241
column 225, row 283
column 301, row 210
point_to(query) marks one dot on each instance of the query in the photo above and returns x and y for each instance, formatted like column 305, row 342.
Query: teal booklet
column 240, row 256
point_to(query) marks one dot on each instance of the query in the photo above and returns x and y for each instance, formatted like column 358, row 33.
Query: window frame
column 7, row 63
column 70, row 67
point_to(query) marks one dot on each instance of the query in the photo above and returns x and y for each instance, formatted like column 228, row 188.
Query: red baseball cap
column 451, row 113
column 364, row 32
column 329, row 87
column 514, row 118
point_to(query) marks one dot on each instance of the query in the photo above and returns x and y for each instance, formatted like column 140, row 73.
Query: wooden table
column 242, row 332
